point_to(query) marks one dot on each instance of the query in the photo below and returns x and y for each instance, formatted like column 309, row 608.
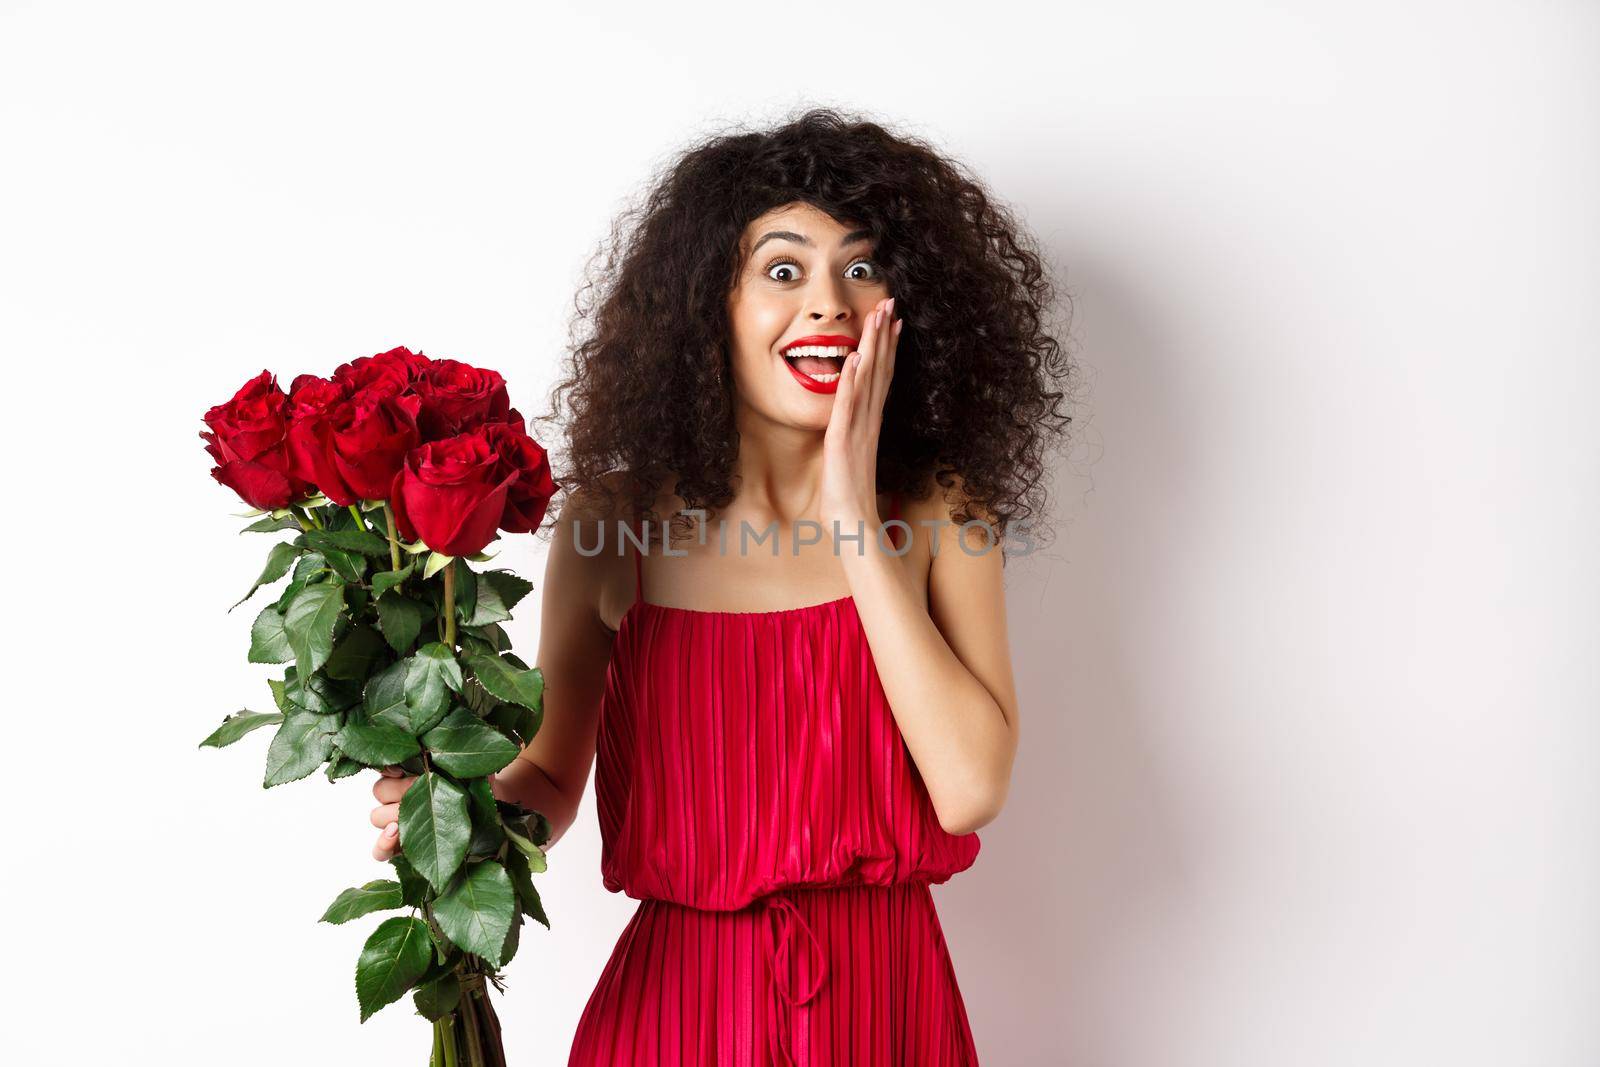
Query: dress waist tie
column 782, row 914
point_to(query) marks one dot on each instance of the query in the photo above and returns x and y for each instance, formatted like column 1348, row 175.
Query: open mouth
column 817, row 361
column 821, row 363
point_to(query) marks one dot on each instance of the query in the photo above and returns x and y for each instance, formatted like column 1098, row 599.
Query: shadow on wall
column 1086, row 875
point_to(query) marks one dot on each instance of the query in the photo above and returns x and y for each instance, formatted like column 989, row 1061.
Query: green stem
column 355, row 513
column 450, row 605
column 394, row 541
column 315, row 518
column 450, row 1039
column 469, row 1022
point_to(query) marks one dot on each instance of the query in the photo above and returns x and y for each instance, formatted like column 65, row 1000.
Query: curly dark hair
column 976, row 392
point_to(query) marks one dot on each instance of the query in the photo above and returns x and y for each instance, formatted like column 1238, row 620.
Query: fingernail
column 392, row 829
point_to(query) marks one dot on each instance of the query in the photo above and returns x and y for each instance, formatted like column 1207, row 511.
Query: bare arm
column 946, row 670
column 574, row 651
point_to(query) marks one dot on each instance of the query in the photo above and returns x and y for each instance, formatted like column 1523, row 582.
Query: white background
column 1308, row 680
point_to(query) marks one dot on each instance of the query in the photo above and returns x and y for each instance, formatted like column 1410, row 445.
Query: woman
column 792, row 737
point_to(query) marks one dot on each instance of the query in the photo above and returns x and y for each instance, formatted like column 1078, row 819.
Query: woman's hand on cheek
column 850, row 444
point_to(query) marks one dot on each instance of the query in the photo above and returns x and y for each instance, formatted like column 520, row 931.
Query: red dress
column 757, row 798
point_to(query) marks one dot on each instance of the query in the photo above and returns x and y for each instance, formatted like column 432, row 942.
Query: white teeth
column 837, row 351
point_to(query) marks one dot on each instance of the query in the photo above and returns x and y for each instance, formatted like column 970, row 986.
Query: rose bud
column 370, row 442
column 529, row 495
column 451, row 494
column 457, row 397
column 246, row 439
column 383, row 376
column 313, row 403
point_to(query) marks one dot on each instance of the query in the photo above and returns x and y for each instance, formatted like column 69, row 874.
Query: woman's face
column 807, row 278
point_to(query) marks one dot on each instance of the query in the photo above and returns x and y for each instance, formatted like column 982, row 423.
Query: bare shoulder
column 583, row 566
column 948, row 507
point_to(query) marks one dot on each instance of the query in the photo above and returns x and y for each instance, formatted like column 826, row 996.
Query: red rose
column 457, row 397
column 313, row 403
column 383, row 376
column 370, row 442
column 451, row 494
column 246, row 439
column 521, row 455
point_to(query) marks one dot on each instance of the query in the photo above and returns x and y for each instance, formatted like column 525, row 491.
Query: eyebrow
column 785, row 235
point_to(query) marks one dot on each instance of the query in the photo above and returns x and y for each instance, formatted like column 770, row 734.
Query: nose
column 827, row 302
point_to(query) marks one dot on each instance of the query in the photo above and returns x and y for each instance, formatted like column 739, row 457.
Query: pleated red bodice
column 756, row 796
column 742, row 753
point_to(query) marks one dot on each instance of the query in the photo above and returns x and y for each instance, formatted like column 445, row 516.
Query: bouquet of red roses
column 393, row 473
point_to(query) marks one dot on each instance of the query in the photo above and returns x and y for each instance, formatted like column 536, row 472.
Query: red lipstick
column 830, row 340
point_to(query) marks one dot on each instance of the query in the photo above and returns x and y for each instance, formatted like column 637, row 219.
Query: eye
column 782, row 264
column 872, row 269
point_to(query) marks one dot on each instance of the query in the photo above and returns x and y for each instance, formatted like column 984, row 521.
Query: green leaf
column 500, row 678
column 311, row 568
column 515, row 721
column 278, row 560
column 269, row 643
column 400, row 618
column 320, row 695
column 438, row 998
column 383, row 581
column 436, row 563
column 237, row 725
column 477, row 697
column 376, row 744
column 272, row 524
column 384, row 697
column 364, row 542
column 535, row 854
column 466, row 591
column 487, row 834
column 343, row 767
column 379, row 895
column 300, row 746
column 492, row 634
column 350, row 566
column 414, row 693
column 522, row 880
column 510, row 587
column 467, row 747
column 309, row 622
column 488, row 608
column 393, row 958
column 476, row 913
column 356, row 655
column 414, row 888
column 442, row 947
column 434, row 674
column 513, row 937
column 435, row 828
